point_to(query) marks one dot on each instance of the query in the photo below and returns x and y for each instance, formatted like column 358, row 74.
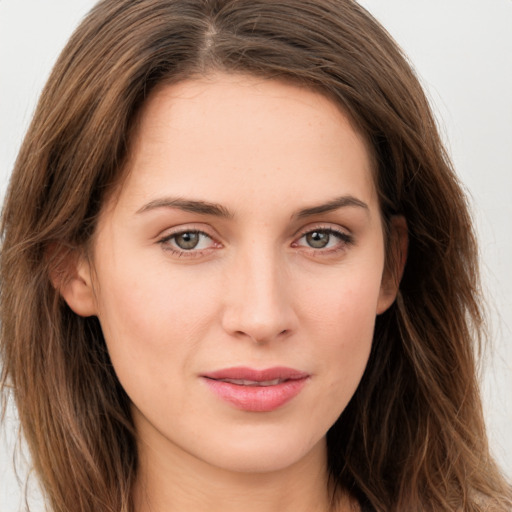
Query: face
column 238, row 272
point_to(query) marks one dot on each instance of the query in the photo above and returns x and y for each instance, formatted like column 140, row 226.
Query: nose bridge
column 258, row 305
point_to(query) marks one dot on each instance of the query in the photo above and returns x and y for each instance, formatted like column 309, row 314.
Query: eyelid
column 322, row 226
column 346, row 238
column 167, row 235
column 204, row 229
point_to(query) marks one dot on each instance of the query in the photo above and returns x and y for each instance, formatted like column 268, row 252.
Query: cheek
column 345, row 302
column 341, row 318
column 150, row 318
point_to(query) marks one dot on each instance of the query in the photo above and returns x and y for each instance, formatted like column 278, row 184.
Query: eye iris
column 187, row 241
column 317, row 239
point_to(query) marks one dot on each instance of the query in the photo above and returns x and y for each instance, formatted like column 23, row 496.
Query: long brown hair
column 413, row 436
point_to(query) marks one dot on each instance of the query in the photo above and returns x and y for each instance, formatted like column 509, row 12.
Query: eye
column 318, row 239
column 187, row 241
column 324, row 238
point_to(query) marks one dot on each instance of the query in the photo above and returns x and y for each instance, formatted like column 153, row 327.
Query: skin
column 254, row 292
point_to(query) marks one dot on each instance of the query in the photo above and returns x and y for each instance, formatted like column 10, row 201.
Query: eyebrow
column 217, row 210
column 188, row 205
column 334, row 204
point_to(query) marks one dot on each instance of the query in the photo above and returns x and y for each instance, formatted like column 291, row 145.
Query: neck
column 172, row 481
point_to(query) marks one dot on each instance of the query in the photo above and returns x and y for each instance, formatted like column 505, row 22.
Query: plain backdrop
column 462, row 51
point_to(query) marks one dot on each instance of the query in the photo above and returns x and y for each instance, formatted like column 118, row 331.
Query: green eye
column 324, row 239
column 318, row 239
column 187, row 240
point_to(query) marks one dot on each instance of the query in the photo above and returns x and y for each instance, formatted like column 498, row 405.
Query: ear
column 70, row 274
column 395, row 263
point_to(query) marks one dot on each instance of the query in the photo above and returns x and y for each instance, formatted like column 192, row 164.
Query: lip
column 255, row 390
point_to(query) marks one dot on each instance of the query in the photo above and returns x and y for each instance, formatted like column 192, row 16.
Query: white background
column 462, row 51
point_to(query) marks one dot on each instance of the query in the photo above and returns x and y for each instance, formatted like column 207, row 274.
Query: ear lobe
column 395, row 263
column 70, row 275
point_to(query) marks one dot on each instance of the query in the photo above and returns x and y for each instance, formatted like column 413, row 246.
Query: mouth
column 253, row 390
column 264, row 383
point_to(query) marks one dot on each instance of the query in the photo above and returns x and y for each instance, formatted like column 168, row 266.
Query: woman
column 238, row 270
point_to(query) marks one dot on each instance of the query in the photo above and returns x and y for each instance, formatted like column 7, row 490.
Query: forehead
column 221, row 134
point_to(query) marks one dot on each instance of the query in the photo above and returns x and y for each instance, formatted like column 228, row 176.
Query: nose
column 258, row 304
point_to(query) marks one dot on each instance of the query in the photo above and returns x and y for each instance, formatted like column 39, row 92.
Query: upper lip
column 250, row 374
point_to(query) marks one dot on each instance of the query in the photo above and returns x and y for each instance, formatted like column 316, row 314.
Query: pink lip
column 257, row 398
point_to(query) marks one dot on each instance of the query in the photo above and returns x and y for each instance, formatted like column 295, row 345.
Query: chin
column 266, row 455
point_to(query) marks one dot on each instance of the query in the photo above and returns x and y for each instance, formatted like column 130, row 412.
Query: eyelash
column 344, row 238
column 192, row 253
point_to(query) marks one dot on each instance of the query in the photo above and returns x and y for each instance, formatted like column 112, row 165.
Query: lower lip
column 257, row 398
